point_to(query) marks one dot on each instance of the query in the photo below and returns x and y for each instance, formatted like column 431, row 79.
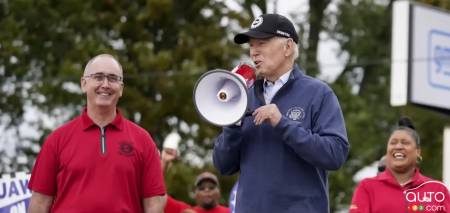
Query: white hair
column 295, row 52
column 295, row 55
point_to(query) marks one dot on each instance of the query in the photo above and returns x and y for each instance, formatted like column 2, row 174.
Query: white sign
column 420, row 69
column 14, row 193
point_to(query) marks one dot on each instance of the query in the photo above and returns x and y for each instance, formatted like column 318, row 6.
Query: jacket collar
column 259, row 84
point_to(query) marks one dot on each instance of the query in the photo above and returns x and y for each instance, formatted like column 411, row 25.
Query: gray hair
column 295, row 54
column 104, row 55
column 296, row 51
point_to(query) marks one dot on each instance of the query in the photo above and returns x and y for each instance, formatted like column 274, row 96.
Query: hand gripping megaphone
column 221, row 96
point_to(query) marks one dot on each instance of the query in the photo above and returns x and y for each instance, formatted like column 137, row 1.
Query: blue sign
column 16, row 207
column 439, row 63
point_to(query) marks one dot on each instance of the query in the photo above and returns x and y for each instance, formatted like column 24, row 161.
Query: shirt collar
column 87, row 122
column 283, row 79
column 417, row 178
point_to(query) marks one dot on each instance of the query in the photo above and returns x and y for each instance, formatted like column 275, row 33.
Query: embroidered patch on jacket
column 296, row 114
column 126, row 148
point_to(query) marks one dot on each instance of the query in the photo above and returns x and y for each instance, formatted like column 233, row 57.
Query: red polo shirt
column 382, row 194
column 217, row 209
column 89, row 169
column 175, row 206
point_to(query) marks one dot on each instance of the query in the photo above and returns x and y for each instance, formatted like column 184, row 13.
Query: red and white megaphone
column 221, row 96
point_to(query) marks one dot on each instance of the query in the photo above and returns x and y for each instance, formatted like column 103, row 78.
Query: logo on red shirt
column 126, row 149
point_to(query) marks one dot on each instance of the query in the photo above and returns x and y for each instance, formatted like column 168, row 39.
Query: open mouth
column 104, row 94
column 399, row 155
column 257, row 63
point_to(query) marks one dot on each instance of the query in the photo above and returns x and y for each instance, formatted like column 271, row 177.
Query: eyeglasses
column 204, row 188
column 99, row 77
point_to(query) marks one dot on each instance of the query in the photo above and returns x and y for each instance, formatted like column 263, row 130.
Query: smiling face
column 102, row 93
column 402, row 152
column 272, row 57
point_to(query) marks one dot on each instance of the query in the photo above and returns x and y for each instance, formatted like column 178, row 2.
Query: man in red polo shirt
column 99, row 161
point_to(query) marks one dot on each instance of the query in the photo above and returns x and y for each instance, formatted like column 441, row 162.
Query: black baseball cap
column 267, row 26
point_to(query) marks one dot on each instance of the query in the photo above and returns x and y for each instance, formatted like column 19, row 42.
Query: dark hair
column 405, row 123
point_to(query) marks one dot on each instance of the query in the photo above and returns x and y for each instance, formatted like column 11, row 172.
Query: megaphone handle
column 248, row 113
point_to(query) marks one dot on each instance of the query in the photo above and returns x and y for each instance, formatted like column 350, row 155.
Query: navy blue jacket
column 283, row 169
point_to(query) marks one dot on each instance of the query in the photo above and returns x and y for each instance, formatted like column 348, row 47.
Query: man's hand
column 268, row 112
column 168, row 154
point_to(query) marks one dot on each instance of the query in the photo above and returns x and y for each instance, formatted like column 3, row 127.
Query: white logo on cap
column 283, row 33
column 258, row 21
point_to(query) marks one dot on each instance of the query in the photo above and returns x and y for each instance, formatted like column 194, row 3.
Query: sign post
column 446, row 156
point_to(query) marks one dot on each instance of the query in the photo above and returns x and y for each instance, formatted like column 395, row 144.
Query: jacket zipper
column 102, row 141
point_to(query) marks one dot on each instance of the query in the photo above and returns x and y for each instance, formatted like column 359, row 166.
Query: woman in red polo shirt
column 401, row 187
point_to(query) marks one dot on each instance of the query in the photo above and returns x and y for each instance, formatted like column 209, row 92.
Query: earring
column 419, row 158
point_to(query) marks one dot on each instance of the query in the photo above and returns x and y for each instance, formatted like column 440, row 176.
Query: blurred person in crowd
column 295, row 135
column 401, row 187
column 99, row 161
column 206, row 193
column 168, row 155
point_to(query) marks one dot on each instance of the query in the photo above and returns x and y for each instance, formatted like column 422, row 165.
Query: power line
column 442, row 61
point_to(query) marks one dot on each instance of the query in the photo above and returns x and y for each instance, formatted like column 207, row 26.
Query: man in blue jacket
column 295, row 135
